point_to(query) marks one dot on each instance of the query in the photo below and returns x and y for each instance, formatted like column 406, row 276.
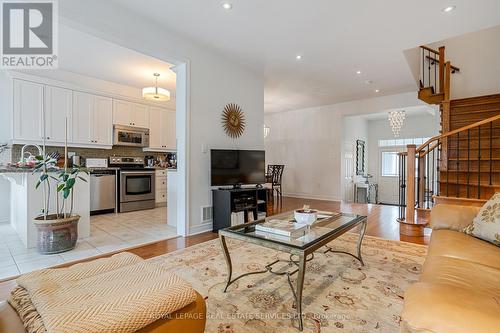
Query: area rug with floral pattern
column 339, row 295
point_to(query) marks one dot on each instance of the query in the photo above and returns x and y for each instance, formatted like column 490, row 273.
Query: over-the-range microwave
column 130, row 136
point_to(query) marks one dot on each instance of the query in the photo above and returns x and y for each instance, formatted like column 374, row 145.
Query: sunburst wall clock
column 233, row 120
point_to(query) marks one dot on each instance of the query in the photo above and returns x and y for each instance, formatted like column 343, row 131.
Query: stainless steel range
column 136, row 184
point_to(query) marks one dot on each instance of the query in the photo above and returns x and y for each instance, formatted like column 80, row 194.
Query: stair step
column 479, row 100
column 450, row 190
column 475, row 109
column 427, row 95
column 474, row 160
column 472, row 183
column 485, row 136
column 474, row 117
column 485, row 168
column 462, row 177
column 440, row 199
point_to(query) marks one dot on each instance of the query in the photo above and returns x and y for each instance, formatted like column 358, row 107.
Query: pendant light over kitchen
column 156, row 93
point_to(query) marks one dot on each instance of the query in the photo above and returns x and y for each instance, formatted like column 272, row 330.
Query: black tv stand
column 249, row 203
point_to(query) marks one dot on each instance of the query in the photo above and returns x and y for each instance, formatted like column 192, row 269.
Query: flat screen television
column 237, row 167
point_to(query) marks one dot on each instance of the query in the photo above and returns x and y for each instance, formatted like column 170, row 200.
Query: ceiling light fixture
column 227, row 6
column 449, row 9
column 156, row 93
column 376, row 90
column 396, row 120
column 298, row 57
column 358, row 72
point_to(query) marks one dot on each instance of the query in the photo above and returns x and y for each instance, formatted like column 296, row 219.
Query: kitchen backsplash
column 88, row 153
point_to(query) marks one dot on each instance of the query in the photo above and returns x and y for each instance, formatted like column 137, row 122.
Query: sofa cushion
column 462, row 274
column 459, row 245
column 435, row 307
column 486, row 225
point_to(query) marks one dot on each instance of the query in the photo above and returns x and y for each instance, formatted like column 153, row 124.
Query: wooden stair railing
column 435, row 81
column 469, row 170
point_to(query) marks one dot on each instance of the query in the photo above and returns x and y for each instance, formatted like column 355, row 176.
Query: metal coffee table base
column 302, row 258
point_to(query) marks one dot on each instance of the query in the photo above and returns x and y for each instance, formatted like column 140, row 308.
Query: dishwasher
column 102, row 191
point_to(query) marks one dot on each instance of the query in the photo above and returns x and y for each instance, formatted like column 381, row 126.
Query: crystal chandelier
column 396, row 120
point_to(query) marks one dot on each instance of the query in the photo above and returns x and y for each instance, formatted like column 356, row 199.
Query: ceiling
column 109, row 62
column 335, row 39
column 410, row 111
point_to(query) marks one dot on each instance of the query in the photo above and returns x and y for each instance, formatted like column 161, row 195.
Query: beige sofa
column 459, row 289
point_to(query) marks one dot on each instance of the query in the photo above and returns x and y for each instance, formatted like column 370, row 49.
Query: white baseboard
column 198, row 229
column 311, row 196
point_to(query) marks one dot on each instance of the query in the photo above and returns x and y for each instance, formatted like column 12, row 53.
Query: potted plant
column 58, row 229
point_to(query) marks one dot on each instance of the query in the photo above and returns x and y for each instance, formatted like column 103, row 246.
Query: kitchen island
column 26, row 203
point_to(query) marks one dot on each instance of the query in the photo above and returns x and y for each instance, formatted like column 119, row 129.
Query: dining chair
column 274, row 177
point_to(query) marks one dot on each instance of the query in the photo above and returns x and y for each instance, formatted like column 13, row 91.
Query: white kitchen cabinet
column 155, row 128
column 130, row 114
column 58, row 108
column 140, row 115
column 169, row 134
column 82, row 118
column 92, row 119
column 161, row 130
column 28, row 111
column 161, row 187
column 103, row 120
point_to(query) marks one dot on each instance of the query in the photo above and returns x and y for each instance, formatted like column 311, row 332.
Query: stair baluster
column 468, row 163
column 479, row 162
column 491, row 151
column 458, row 166
column 427, row 192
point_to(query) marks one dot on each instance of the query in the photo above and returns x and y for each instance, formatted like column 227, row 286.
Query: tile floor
column 108, row 233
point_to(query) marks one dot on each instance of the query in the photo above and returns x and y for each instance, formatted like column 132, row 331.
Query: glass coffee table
column 301, row 247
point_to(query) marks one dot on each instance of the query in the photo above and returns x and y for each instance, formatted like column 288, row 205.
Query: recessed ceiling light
column 449, row 9
column 298, row 57
column 227, row 6
column 358, row 72
column 376, row 90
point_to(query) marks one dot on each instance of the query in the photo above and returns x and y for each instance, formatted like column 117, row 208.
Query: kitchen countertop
column 9, row 169
column 104, row 169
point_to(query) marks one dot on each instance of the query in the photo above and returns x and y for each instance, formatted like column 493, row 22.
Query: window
column 401, row 142
column 390, row 164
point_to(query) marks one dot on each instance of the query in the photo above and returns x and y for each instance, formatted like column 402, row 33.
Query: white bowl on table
column 305, row 216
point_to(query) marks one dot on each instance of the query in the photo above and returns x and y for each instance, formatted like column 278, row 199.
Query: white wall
column 213, row 82
column 477, row 55
column 5, row 134
column 309, row 142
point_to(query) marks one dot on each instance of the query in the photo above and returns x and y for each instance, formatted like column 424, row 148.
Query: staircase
column 473, row 170
column 462, row 164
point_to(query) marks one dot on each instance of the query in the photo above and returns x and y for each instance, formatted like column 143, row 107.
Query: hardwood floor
column 381, row 223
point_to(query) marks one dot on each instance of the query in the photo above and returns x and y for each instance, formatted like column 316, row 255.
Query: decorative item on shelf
column 156, row 93
column 267, row 130
column 58, row 231
column 396, row 120
column 233, row 120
